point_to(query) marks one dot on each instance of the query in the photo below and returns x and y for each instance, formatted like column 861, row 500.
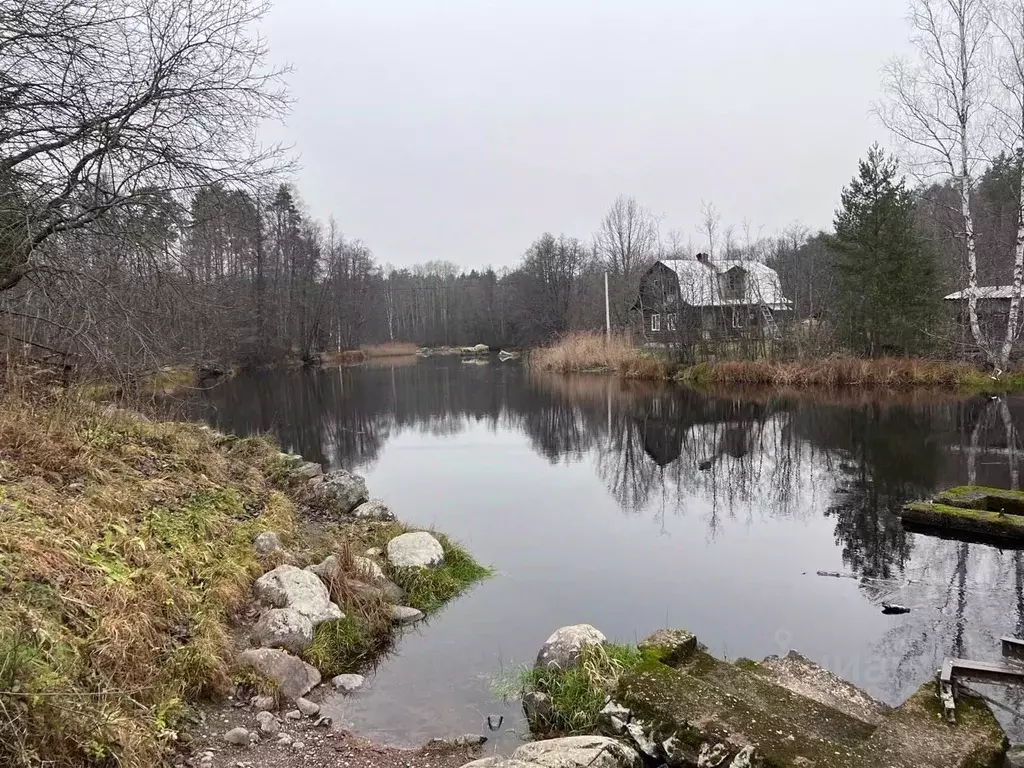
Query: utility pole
column 607, row 310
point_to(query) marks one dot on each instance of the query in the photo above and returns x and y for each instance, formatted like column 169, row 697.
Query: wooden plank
column 1013, row 648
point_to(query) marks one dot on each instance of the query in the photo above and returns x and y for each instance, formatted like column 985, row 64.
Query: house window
column 670, row 321
column 655, row 322
column 738, row 317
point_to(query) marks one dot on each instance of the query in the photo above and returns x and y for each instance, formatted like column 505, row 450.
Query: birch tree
column 939, row 107
column 1007, row 19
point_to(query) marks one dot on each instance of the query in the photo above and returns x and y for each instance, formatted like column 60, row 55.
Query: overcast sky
column 463, row 129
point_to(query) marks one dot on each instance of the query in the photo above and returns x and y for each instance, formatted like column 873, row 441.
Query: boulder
column 237, row 736
column 267, row 543
column 283, row 628
column 293, row 676
column 289, row 587
column 402, row 614
column 348, row 683
column 1015, row 757
column 342, row 491
column 374, row 509
column 579, row 752
column 328, row 570
column 673, row 646
column 415, row 550
column 368, row 569
column 309, row 470
column 562, row 649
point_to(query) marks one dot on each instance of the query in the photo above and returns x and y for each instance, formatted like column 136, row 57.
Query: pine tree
column 887, row 297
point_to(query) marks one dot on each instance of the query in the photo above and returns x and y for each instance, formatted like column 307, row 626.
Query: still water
column 633, row 507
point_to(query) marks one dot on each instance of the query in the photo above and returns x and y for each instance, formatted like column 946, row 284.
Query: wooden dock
column 954, row 670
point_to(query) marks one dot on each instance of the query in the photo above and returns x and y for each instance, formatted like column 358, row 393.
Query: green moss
column 985, row 499
column 943, row 516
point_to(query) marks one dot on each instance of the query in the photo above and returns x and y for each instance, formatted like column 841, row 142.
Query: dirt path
column 322, row 747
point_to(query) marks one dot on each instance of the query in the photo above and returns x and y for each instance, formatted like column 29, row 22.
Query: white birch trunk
column 1018, row 281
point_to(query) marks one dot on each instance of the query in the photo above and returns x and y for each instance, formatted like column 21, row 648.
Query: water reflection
column 771, row 467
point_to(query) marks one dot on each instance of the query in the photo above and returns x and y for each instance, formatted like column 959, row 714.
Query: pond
column 633, row 507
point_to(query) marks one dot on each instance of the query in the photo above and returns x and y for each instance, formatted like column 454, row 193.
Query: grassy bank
column 125, row 556
column 593, row 353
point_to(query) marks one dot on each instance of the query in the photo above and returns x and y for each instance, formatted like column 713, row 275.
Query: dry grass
column 372, row 352
column 594, row 352
column 125, row 547
column 893, row 373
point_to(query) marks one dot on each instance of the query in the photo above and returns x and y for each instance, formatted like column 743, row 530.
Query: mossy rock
column 976, row 522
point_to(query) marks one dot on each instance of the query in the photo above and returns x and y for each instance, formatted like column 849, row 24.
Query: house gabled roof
column 699, row 283
column 984, row 292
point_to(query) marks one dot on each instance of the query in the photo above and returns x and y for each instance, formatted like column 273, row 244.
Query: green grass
column 345, row 646
column 577, row 694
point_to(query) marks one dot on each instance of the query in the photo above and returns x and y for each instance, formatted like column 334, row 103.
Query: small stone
column 401, row 614
column 284, row 740
column 368, row 569
column 237, row 736
column 470, row 740
column 373, row 509
column 298, row 745
column 415, row 550
column 348, row 683
column 268, row 723
column 538, row 709
column 264, row 703
column 323, row 722
column 267, row 542
column 294, row 715
column 374, row 552
column 307, row 707
column 638, row 733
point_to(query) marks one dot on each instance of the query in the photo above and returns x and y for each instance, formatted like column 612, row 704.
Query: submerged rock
column 579, row 752
column 341, row 491
column 289, row 587
column 293, row 676
column 374, row 509
column 415, row 550
column 562, row 649
column 283, row 628
column 348, row 683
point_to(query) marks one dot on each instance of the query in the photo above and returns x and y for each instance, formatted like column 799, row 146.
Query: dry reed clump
column 591, row 351
column 372, row 352
column 125, row 546
column 892, row 373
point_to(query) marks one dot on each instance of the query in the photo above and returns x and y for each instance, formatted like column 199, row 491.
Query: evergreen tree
column 887, row 295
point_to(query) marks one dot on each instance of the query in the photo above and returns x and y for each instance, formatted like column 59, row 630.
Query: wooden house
column 689, row 300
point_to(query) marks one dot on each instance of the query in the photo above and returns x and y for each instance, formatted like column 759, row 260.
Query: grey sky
column 463, row 129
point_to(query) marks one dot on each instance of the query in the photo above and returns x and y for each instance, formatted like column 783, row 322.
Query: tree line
column 142, row 222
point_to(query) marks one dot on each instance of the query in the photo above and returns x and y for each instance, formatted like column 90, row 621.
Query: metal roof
column 700, row 286
column 985, row 292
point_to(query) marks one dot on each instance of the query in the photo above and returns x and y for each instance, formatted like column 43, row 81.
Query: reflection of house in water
column 665, row 420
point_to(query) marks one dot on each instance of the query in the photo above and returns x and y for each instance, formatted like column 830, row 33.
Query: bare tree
column 106, row 104
column 625, row 244
column 710, row 224
column 1007, row 19
column 939, row 107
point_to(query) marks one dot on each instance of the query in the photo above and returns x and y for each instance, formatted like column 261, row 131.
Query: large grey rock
column 538, row 709
column 267, row 543
column 348, row 683
column 374, row 509
column 562, row 649
column 289, row 587
column 403, row 614
column 309, row 470
column 294, row 677
column 1015, row 757
column 415, row 550
column 342, row 491
column 579, row 752
column 283, row 628
column 368, row 569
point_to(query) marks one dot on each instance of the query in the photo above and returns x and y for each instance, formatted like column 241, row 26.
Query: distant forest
column 143, row 223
